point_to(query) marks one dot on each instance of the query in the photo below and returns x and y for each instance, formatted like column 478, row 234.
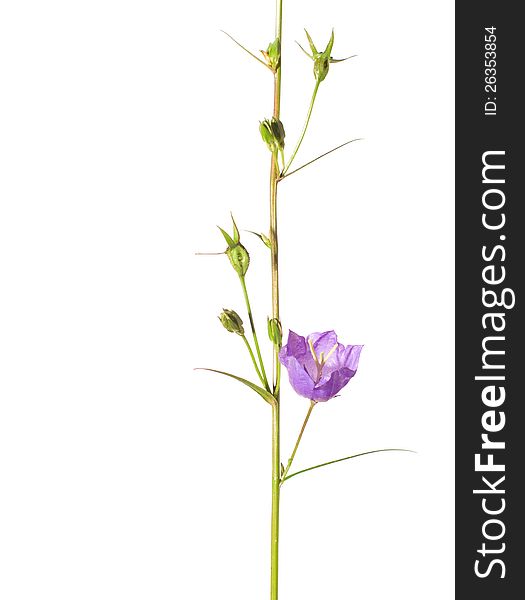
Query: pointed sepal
column 322, row 60
column 311, row 43
column 236, row 252
column 272, row 55
column 264, row 239
column 236, row 235
column 227, row 237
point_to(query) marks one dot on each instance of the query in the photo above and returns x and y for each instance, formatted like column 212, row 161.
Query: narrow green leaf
column 318, row 157
column 347, row 458
column 261, row 391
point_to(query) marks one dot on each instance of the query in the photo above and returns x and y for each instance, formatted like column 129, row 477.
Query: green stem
column 305, row 127
column 254, row 333
column 276, row 456
column 276, row 491
column 310, row 409
column 253, row 359
column 282, row 159
column 274, row 249
column 276, row 160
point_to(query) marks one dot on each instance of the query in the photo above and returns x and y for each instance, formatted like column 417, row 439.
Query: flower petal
column 300, row 381
column 297, row 348
column 333, row 362
column 350, row 358
column 296, row 344
column 338, row 380
column 323, row 342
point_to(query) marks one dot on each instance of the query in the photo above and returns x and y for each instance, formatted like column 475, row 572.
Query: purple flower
column 319, row 367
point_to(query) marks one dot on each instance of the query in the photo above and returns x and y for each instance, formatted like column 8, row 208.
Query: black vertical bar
column 489, row 120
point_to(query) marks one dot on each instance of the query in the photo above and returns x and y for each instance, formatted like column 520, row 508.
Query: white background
column 128, row 132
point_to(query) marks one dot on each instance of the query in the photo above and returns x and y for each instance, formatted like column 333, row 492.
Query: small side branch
column 299, row 438
column 249, row 348
column 305, row 127
column 254, row 332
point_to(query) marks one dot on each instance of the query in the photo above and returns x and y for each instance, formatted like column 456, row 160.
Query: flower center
column 321, row 360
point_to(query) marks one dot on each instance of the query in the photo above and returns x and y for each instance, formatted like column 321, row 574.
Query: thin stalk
column 254, row 333
column 310, row 409
column 276, row 456
column 282, row 159
column 274, row 249
column 305, row 127
column 319, row 157
column 254, row 361
column 276, row 490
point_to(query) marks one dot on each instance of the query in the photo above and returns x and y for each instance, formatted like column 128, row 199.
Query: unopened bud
column 266, row 241
column 239, row 258
column 278, row 132
column 321, row 67
column 236, row 252
column 322, row 60
column 272, row 133
column 273, row 54
column 275, row 331
column 266, row 133
column 231, row 321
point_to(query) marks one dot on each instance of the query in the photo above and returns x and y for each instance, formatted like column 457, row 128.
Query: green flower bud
column 273, row 54
column 266, row 241
column 236, row 252
column 278, row 132
column 275, row 331
column 322, row 60
column 239, row 258
column 321, row 67
column 265, row 129
column 272, row 133
column 231, row 321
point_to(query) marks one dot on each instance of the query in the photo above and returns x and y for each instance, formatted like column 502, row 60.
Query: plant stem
column 310, row 409
column 305, row 127
column 276, row 491
column 276, row 456
column 254, row 333
column 253, row 359
column 274, row 249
